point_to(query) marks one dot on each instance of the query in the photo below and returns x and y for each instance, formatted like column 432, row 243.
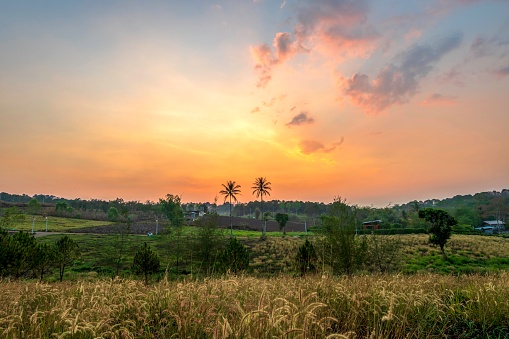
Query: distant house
column 491, row 226
column 372, row 225
column 193, row 215
column 494, row 223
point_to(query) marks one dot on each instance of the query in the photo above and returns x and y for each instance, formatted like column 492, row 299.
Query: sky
column 377, row 102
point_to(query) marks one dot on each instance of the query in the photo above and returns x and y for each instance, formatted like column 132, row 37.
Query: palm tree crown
column 261, row 187
column 231, row 189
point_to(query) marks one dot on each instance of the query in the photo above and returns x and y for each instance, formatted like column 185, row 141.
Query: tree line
column 336, row 247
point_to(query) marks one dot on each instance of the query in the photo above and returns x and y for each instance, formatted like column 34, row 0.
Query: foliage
column 260, row 188
column 44, row 257
column 146, row 262
column 17, row 254
column 122, row 239
column 34, row 206
column 62, row 206
column 441, row 226
column 12, row 216
column 178, row 244
column 230, row 191
column 346, row 249
column 208, row 242
column 66, row 251
column 234, row 258
column 389, row 306
column 112, row 214
column 306, row 258
column 282, row 219
column 171, row 208
column 383, row 253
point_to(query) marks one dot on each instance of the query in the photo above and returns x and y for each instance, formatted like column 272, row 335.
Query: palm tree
column 261, row 187
column 231, row 189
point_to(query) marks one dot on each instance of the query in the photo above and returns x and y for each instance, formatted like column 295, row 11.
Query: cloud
column 334, row 26
column 397, row 82
column 269, row 103
column 284, row 48
column 336, row 23
column 479, row 47
column 502, row 72
column 264, row 61
column 308, row 147
column 438, row 99
column 301, row 119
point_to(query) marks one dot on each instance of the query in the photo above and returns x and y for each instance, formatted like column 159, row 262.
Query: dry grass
column 392, row 306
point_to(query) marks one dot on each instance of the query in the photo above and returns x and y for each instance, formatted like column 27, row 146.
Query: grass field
column 364, row 306
column 55, row 224
column 275, row 255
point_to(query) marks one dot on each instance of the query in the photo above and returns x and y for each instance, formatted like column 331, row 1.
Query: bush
column 306, row 258
column 234, row 258
column 146, row 262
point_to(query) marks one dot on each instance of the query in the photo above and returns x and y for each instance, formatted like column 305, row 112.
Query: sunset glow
column 375, row 101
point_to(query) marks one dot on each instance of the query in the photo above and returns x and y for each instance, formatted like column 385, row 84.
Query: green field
column 55, row 224
column 275, row 255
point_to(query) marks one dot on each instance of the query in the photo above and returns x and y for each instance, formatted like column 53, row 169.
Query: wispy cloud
column 397, row 82
column 502, row 71
column 438, row 99
column 308, row 147
column 301, row 119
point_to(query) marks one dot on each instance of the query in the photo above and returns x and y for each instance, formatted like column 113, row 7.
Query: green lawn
column 55, row 224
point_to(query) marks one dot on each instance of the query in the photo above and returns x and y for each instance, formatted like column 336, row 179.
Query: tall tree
column 66, row 250
column 441, row 226
column 282, row 219
column 234, row 258
column 171, row 207
column 260, row 188
column 146, row 262
column 347, row 251
column 230, row 191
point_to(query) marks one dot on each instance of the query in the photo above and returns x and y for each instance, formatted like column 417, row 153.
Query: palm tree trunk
column 231, row 224
column 263, row 218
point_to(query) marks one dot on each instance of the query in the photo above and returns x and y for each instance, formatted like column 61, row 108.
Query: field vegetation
column 55, row 224
column 315, row 306
column 153, row 271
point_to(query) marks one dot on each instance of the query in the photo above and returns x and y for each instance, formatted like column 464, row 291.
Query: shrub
column 234, row 258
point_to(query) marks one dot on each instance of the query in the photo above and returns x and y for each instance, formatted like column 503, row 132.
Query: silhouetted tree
column 146, row 262
column 230, row 191
column 66, row 251
column 234, row 258
column 306, row 258
column 441, row 226
column 260, row 188
column 282, row 219
column 171, row 207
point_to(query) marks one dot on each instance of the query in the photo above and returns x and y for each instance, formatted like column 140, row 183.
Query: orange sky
column 323, row 98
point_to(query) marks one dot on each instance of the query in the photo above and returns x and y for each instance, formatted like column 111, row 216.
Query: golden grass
column 389, row 306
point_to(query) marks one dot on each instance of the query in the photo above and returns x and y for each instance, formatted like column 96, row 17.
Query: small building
column 372, row 225
column 499, row 224
column 486, row 229
column 193, row 215
column 491, row 227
